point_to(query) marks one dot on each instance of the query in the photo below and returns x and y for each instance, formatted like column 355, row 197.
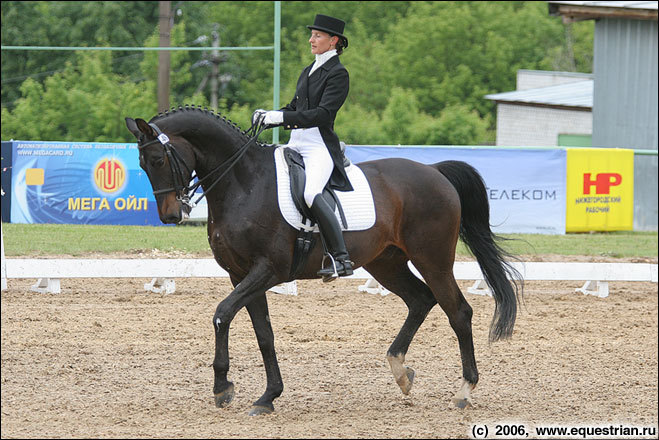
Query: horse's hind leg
column 390, row 269
column 459, row 313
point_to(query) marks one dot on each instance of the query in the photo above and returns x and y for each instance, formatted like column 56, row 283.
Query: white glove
column 258, row 115
column 273, row 118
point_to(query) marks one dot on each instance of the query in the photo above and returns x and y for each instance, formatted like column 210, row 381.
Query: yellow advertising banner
column 600, row 189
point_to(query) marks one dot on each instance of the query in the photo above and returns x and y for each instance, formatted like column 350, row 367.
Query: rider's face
column 321, row 42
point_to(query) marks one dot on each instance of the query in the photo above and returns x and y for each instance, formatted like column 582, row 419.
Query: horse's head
column 168, row 161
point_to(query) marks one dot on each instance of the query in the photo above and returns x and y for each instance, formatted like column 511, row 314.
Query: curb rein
column 185, row 193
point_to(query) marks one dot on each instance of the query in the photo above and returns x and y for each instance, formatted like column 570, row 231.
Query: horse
column 421, row 211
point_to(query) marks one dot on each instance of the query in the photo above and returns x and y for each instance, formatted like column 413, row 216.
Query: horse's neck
column 254, row 165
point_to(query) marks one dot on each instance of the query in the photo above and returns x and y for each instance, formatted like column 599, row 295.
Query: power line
column 131, row 48
column 49, row 72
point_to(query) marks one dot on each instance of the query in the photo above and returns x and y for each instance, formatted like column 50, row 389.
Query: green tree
column 418, row 70
column 62, row 23
column 84, row 102
column 576, row 52
column 87, row 101
column 455, row 52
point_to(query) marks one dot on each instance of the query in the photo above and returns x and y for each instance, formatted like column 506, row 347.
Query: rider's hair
column 339, row 45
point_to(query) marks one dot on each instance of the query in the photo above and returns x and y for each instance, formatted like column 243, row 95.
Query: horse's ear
column 139, row 126
column 132, row 127
column 145, row 127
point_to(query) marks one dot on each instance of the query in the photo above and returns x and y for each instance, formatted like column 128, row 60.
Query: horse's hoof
column 224, row 398
column 258, row 410
column 461, row 403
column 407, row 386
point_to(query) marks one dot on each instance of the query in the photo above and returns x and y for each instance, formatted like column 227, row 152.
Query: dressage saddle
column 306, row 240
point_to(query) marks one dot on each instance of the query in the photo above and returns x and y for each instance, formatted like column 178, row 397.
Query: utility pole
column 164, row 24
column 217, row 82
column 275, row 95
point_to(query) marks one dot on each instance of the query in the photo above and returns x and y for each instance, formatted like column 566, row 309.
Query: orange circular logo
column 109, row 175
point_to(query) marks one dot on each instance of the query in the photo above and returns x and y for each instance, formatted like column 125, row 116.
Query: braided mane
column 206, row 112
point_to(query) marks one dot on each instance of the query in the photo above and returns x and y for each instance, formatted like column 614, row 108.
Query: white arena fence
column 163, row 273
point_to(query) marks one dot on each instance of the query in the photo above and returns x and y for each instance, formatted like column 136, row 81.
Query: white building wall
column 535, row 79
column 528, row 126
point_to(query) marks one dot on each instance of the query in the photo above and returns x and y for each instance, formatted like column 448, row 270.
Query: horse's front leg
column 252, row 286
column 258, row 312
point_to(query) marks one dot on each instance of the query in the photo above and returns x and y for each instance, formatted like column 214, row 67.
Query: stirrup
column 346, row 269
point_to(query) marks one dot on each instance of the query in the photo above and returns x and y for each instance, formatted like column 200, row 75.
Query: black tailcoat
column 317, row 100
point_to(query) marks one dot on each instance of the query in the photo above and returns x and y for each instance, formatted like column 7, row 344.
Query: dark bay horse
column 421, row 210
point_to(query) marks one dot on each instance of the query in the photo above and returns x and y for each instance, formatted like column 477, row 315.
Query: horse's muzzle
column 174, row 210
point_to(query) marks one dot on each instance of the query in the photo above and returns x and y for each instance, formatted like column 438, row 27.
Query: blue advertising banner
column 526, row 188
column 5, row 195
column 80, row 183
column 102, row 183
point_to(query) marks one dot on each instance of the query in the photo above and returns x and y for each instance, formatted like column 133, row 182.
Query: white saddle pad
column 358, row 205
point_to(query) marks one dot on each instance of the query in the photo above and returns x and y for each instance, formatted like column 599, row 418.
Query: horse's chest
column 227, row 249
column 219, row 245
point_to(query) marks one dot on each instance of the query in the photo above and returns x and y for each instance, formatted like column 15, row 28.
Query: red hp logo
column 602, row 183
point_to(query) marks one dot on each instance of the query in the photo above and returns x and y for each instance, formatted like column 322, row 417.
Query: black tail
column 482, row 242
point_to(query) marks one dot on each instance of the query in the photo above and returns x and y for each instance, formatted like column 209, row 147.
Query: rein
column 185, row 193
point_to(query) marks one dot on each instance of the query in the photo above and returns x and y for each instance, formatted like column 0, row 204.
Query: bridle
column 184, row 192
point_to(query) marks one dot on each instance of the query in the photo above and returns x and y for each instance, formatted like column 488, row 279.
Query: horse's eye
column 158, row 163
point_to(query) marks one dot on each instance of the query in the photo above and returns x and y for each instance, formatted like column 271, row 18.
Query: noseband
column 184, row 193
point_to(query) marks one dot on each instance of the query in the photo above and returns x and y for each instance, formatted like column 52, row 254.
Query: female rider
column 321, row 90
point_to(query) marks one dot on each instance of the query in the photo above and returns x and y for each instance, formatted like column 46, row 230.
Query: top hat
column 331, row 25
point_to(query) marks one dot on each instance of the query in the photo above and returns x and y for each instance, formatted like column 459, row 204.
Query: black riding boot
column 331, row 232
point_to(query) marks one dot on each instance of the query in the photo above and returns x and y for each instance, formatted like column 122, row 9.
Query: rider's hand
column 273, row 118
column 257, row 116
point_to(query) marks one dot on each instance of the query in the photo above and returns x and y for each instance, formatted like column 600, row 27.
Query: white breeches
column 318, row 163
